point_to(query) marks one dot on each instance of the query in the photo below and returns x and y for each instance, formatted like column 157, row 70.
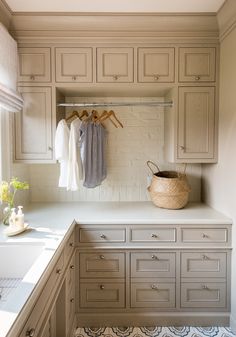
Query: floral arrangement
column 7, row 194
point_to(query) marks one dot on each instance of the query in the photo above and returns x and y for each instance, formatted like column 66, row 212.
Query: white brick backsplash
column 128, row 150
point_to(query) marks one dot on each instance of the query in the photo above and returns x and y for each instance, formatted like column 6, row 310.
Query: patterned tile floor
column 185, row 331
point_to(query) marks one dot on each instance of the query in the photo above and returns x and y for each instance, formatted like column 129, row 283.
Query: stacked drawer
column 102, row 280
column 152, row 280
column 70, row 295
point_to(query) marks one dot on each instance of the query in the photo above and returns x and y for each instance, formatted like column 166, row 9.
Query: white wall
column 219, row 180
column 128, row 150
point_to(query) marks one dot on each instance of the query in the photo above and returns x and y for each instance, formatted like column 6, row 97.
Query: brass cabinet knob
column 72, row 267
column 32, row 77
column 74, row 78
column 156, row 77
column 103, row 236
column 102, row 286
column 30, row 333
column 197, row 78
column 72, row 300
column 154, row 286
column 115, row 77
column 59, row 271
column 154, row 236
column 154, row 257
column 102, row 257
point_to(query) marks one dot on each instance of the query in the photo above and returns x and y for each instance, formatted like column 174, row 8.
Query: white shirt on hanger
column 62, row 151
column 75, row 168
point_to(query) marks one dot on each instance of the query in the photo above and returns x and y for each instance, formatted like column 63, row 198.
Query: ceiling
column 121, row 6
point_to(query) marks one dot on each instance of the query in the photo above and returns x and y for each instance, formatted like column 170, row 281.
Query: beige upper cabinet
column 74, row 65
column 197, row 64
column 196, row 124
column 115, row 65
column 34, row 65
column 33, row 126
column 156, row 65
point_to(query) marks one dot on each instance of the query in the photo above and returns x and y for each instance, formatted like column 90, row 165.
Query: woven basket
column 168, row 189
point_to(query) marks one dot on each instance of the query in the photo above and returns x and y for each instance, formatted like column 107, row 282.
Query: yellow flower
column 8, row 190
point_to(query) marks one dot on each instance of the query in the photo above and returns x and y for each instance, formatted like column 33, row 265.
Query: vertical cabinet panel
column 115, row 65
column 156, row 64
column 74, row 65
column 196, row 123
column 34, row 65
column 197, row 64
column 33, row 133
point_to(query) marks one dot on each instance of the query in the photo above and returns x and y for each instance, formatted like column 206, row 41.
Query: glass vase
column 6, row 215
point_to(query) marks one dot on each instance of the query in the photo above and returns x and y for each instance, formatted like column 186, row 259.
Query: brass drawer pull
column 155, row 287
column 204, row 236
column 197, row 78
column 205, row 287
column 103, row 236
column 102, row 257
column 102, row 286
column 32, row 77
column 59, row 271
column 72, row 267
column 71, row 244
column 154, row 236
column 30, row 333
column 205, row 257
column 72, row 300
column 156, row 77
column 154, row 257
column 115, row 77
column 74, row 78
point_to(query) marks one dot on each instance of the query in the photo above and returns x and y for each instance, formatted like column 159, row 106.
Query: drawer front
column 204, row 235
column 203, row 295
column 153, row 264
column 70, row 275
column 156, row 65
column 197, row 64
column 70, row 309
column 153, row 235
column 203, row 264
column 34, row 65
column 102, row 295
column 74, row 65
column 152, row 295
column 69, row 247
column 102, row 265
column 115, row 65
column 102, row 235
column 37, row 314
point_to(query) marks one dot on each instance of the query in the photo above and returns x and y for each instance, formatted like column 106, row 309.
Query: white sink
column 17, row 259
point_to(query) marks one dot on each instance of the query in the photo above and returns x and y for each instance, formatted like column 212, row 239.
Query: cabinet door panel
column 33, row 125
column 203, row 295
column 34, row 65
column 74, row 65
column 152, row 295
column 196, row 125
column 197, row 64
column 115, row 65
column 156, row 65
column 153, row 264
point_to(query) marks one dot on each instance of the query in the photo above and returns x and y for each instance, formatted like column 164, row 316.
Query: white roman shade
column 9, row 98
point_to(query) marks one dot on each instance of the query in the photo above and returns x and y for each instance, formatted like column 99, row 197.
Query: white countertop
column 50, row 223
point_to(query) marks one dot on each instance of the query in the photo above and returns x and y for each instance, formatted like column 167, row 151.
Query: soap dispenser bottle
column 20, row 217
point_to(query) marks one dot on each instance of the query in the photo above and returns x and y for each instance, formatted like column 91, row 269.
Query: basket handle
column 149, row 162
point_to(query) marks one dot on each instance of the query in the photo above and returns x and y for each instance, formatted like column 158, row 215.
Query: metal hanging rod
column 114, row 104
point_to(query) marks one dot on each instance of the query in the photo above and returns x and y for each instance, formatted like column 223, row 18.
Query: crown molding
column 114, row 24
column 5, row 14
column 226, row 18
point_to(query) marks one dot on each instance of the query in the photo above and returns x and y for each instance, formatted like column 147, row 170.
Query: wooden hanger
column 103, row 116
column 84, row 113
column 111, row 113
column 74, row 114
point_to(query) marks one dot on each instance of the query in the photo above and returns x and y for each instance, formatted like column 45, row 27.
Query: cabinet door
column 196, row 123
column 74, row 65
column 34, row 65
column 197, row 64
column 115, row 65
column 156, row 65
column 33, row 126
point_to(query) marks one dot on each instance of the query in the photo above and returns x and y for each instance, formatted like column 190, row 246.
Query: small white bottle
column 12, row 219
column 20, row 218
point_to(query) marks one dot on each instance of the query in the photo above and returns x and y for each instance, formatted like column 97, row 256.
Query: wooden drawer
column 153, row 264
column 70, row 275
column 69, row 247
column 101, row 235
column 70, row 309
column 203, row 264
column 203, row 295
column 197, row 64
column 115, row 65
column 34, row 65
column 103, row 294
column 74, row 65
column 204, row 235
column 156, row 65
column 152, row 294
column 102, row 265
column 43, row 303
column 153, row 234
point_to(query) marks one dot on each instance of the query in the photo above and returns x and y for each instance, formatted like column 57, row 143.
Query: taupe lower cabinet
column 153, row 273
column 33, row 126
